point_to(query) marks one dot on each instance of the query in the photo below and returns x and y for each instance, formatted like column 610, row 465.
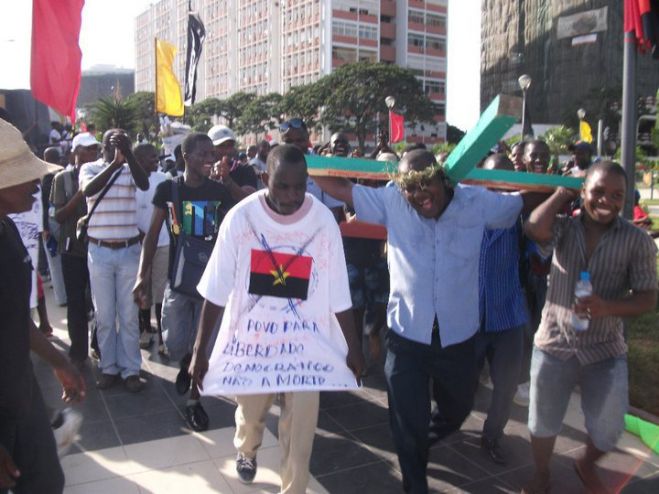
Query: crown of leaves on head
column 418, row 177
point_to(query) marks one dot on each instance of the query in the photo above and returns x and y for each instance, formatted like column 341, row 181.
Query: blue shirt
column 433, row 263
column 502, row 302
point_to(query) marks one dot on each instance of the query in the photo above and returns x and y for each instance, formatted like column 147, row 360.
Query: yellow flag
column 585, row 134
column 168, row 90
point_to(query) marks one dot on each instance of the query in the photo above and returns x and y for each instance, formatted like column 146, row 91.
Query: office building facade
column 265, row 46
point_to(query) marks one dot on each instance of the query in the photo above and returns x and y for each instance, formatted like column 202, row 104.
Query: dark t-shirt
column 202, row 210
column 15, row 286
column 244, row 175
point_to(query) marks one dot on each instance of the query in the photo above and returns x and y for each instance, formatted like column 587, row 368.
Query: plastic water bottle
column 582, row 289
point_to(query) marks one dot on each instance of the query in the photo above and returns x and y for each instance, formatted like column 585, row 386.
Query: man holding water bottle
column 618, row 260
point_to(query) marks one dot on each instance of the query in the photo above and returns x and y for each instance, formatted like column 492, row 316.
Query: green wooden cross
column 460, row 165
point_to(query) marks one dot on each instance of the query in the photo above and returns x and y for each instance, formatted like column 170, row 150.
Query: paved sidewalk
column 139, row 443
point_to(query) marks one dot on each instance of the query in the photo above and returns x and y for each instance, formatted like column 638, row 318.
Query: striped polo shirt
column 115, row 218
column 623, row 260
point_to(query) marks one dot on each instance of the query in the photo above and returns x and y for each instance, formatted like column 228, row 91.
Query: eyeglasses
column 293, row 123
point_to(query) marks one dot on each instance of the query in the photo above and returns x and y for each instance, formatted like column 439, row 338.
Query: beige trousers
column 297, row 426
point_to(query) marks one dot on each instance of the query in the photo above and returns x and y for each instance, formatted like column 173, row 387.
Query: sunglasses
column 293, row 123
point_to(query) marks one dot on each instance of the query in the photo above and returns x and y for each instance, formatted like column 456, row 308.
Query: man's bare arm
column 211, row 315
column 540, row 224
column 338, row 188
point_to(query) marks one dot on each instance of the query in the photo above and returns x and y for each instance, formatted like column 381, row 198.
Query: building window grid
column 426, row 18
column 426, row 41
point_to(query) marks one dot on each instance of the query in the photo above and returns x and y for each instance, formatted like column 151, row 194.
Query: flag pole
column 389, row 137
column 628, row 137
column 155, row 70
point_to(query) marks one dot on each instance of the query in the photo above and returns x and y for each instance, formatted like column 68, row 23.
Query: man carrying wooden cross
column 435, row 231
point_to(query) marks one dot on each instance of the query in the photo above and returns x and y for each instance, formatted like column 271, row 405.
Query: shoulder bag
column 191, row 255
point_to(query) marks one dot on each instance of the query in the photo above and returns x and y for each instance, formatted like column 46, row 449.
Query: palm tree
column 108, row 113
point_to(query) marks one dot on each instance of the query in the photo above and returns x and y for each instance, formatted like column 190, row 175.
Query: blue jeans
column 503, row 350
column 112, row 274
column 180, row 317
column 408, row 368
column 604, row 396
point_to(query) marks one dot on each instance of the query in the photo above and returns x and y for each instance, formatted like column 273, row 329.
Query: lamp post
column 524, row 82
column 390, row 101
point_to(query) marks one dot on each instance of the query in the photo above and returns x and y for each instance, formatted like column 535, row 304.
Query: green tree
column 232, row 108
column 200, row 114
column 303, row 102
column 443, row 147
column 355, row 94
column 261, row 115
column 108, row 113
column 146, row 119
column 558, row 139
column 454, row 134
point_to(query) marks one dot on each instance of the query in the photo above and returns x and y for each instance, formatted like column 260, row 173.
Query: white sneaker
column 65, row 429
column 522, row 395
column 145, row 340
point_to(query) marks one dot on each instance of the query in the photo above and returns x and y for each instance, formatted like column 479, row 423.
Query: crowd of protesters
column 448, row 276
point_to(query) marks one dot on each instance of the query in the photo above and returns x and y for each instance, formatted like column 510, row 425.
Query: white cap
column 84, row 139
column 386, row 156
column 220, row 134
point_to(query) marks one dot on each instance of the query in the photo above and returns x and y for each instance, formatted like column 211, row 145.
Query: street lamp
column 390, row 101
column 524, row 82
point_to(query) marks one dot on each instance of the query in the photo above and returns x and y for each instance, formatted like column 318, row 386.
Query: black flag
column 196, row 36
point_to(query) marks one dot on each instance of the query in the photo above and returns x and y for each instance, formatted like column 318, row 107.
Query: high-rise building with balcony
column 265, row 46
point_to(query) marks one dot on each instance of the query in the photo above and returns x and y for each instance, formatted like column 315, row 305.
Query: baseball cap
column 18, row 164
column 220, row 134
column 84, row 139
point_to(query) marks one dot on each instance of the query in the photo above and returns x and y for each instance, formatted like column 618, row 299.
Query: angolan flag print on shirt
column 280, row 275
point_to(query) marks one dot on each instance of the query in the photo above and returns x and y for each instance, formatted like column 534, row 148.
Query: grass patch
column 650, row 202
column 643, row 361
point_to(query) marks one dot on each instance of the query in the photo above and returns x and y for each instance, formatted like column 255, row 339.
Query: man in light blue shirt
column 434, row 240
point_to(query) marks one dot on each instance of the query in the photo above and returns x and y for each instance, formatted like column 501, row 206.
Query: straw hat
column 18, row 164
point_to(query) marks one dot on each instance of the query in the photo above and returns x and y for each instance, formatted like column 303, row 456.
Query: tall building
column 572, row 49
column 103, row 82
column 265, row 46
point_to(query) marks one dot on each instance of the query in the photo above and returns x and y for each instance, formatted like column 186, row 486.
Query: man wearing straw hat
column 28, row 455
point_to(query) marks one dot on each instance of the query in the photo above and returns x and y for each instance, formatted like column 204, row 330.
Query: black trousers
column 76, row 284
column 31, row 444
column 408, row 368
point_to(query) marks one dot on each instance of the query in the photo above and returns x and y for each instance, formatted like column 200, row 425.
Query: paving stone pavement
column 139, row 443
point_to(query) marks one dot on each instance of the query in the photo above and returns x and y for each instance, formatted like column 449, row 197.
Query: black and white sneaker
column 246, row 468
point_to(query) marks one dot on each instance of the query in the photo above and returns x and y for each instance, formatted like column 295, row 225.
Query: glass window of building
column 415, row 16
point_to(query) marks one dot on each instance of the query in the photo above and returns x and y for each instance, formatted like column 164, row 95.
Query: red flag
column 641, row 18
column 396, row 127
column 56, row 55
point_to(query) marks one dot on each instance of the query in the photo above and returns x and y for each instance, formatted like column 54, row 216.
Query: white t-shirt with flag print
column 281, row 280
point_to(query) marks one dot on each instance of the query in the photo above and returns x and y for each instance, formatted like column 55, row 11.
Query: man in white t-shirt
column 147, row 156
column 278, row 260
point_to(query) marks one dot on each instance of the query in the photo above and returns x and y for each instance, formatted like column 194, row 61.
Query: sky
column 107, row 38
